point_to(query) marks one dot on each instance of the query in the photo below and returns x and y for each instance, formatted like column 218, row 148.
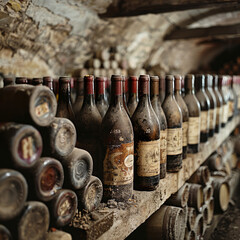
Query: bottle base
column 146, row 183
column 174, row 162
column 193, row 148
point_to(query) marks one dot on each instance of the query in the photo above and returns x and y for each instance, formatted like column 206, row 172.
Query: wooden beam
column 185, row 33
column 123, row 8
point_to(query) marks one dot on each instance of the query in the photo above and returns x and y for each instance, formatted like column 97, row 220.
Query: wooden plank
column 185, row 33
column 122, row 8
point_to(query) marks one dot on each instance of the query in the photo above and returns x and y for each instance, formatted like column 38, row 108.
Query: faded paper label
column 194, row 130
column 26, row 147
column 230, row 108
column 218, row 115
column 41, row 109
column 148, row 158
column 212, row 122
column 163, row 146
column 118, row 165
column 174, row 141
column 204, row 121
column 184, row 134
column 225, row 113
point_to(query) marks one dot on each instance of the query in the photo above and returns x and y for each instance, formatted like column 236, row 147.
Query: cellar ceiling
column 42, row 37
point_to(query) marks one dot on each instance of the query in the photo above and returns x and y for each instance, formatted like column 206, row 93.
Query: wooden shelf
column 144, row 204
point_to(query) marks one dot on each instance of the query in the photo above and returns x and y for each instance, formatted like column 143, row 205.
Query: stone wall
column 55, row 37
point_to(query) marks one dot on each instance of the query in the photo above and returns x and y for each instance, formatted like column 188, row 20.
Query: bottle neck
column 170, row 88
column 116, row 93
column 144, row 89
column 64, row 92
column 89, row 96
column 154, row 86
column 100, row 91
column 80, row 89
column 133, row 87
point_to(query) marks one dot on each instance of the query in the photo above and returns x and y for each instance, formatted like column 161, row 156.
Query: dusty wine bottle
column 194, row 114
column 48, row 82
column 45, row 179
column 59, row 138
column 155, row 101
column 37, row 82
column 5, row 233
column 27, row 104
column 13, row 193
column 63, row 207
column 124, row 95
column 213, row 104
column 64, row 108
column 89, row 123
column 205, row 107
column 8, row 81
column 221, row 84
column 33, row 222
column 21, row 80
column 101, row 101
column 162, row 89
column 146, row 140
column 80, row 96
column 117, row 140
column 21, row 145
column 133, row 94
column 78, row 168
column 174, row 131
column 231, row 99
column 185, row 114
column 219, row 106
column 90, row 196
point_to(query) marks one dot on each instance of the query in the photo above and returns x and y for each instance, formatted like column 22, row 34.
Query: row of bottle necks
column 153, row 131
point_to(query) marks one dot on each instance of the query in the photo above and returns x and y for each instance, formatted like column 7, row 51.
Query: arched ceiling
column 40, row 37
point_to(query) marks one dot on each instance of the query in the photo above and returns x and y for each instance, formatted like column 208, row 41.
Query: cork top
column 47, row 79
column 116, row 78
column 64, row 79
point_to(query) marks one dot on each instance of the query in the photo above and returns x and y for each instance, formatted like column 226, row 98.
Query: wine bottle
column 27, row 104
column 213, row 104
column 205, row 107
column 155, row 101
column 219, row 102
column 90, row 197
column 63, row 207
column 59, row 139
column 48, row 82
column 234, row 89
column 37, row 82
column 21, row 145
column 21, row 80
column 185, row 114
column 174, row 132
column 5, row 233
column 33, row 222
column 124, row 95
column 221, row 83
column 101, row 101
column 13, row 194
column 89, row 123
column 45, row 179
column 80, row 96
column 64, row 108
column 194, row 114
column 231, row 99
column 8, row 81
column 133, row 94
column 146, row 140
column 78, row 168
column 117, row 140
column 162, row 89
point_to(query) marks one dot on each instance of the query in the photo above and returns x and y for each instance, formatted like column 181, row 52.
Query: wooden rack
column 120, row 222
